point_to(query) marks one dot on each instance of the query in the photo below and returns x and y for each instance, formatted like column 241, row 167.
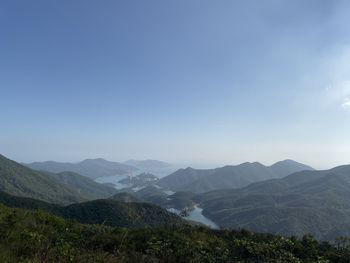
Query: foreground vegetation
column 27, row 236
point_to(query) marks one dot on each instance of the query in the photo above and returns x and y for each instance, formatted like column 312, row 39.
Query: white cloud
column 346, row 103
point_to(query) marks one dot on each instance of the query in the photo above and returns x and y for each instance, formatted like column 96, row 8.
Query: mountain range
column 92, row 168
column 305, row 201
column 95, row 168
column 316, row 202
column 65, row 194
column 308, row 201
column 204, row 180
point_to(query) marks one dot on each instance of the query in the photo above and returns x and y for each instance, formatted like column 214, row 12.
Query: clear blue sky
column 211, row 82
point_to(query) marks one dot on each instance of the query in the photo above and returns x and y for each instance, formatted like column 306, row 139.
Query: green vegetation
column 151, row 194
column 105, row 211
column 114, row 213
column 41, row 237
column 20, row 185
column 86, row 187
column 316, row 202
column 19, row 180
column 28, row 203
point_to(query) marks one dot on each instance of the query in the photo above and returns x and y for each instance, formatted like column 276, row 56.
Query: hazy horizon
column 197, row 164
column 203, row 82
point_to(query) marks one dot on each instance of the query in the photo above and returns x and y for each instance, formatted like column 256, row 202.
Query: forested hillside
column 316, row 202
column 41, row 237
column 104, row 211
column 19, row 180
column 85, row 186
column 230, row 176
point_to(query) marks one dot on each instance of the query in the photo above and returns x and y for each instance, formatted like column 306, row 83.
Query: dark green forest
column 36, row 236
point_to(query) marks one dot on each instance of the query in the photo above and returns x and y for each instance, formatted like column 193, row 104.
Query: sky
column 186, row 81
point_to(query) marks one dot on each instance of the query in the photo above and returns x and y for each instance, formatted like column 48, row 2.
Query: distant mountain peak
column 251, row 164
column 92, row 168
column 230, row 176
column 292, row 162
column 289, row 166
column 286, row 161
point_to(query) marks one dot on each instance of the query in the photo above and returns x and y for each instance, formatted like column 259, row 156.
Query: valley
column 294, row 205
column 281, row 199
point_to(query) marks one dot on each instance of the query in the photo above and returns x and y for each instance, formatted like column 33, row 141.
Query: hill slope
column 114, row 213
column 287, row 167
column 104, row 211
column 84, row 185
column 19, row 180
column 316, row 202
column 28, row 203
column 204, row 180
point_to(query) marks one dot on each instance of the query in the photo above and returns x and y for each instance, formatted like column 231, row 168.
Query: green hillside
column 104, row 211
column 19, row 180
column 156, row 196
column 115, row 213
column 316, row 202
column 86, row 187
column 28, row 203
